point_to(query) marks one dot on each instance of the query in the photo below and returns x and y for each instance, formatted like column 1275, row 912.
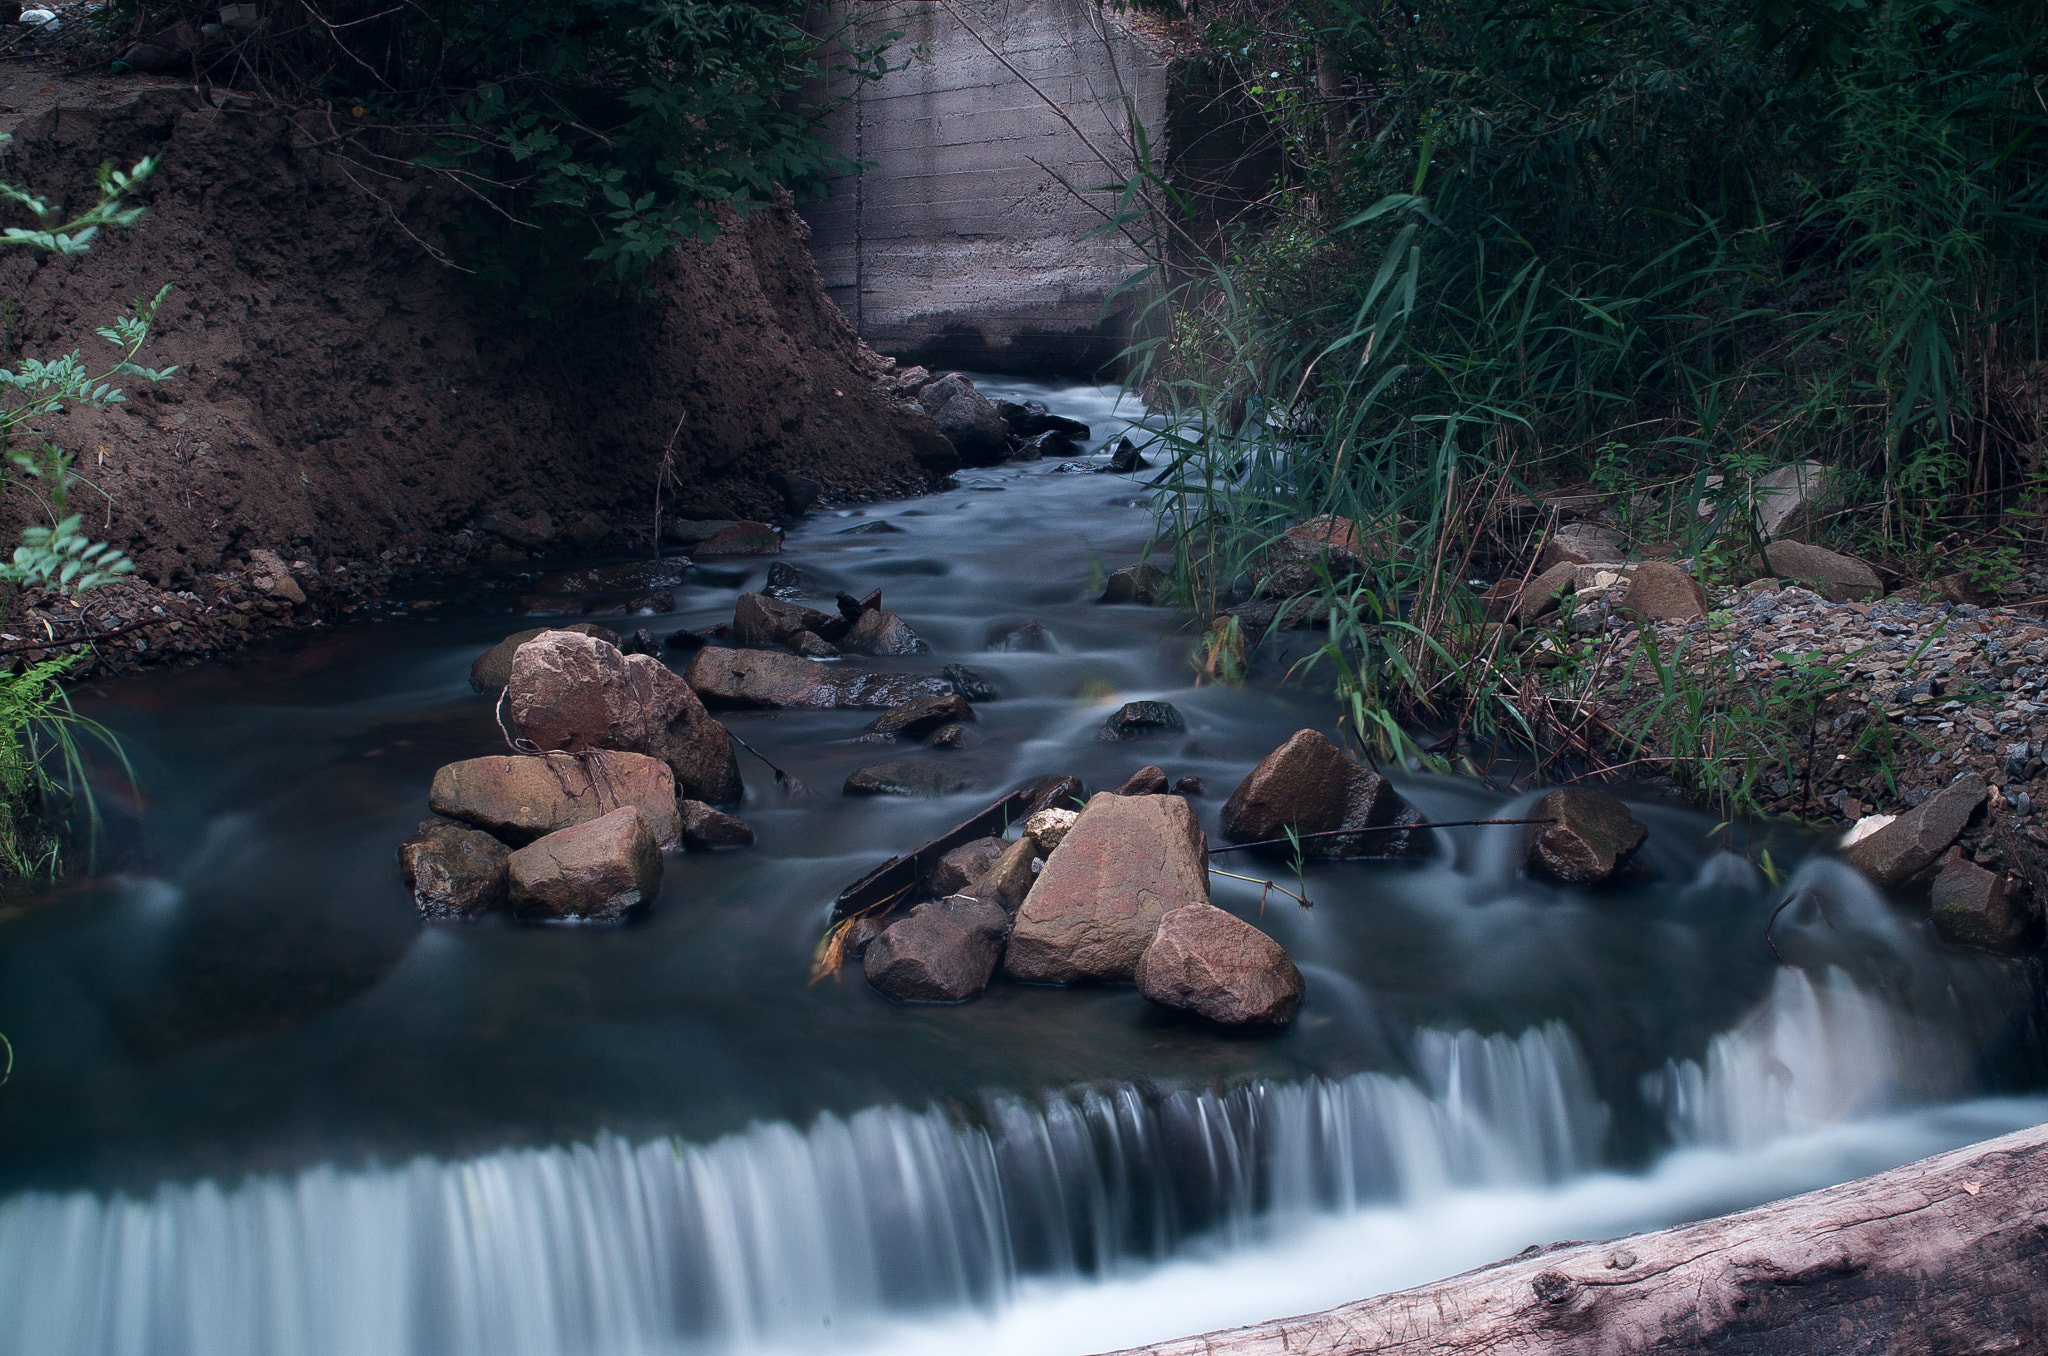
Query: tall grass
column 46, row 799
column 1643, row 251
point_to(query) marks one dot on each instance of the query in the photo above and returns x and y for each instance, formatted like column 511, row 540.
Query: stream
column 258, row 1109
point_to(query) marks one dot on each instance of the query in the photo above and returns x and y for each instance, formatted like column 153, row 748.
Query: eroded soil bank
column 349, row 402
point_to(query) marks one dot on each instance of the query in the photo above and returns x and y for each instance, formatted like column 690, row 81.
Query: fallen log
column 1949, row 1254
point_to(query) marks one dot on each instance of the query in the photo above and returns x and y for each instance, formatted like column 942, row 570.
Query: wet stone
column 965, row 865
column 1593, row 835
column 1146, row 585
column 1146, row 781
column 454, row 872
column 706, row 828
column 1134, row 719
column 950, row 737
column 922, row 716
column 1019, row 636
column 592, row 873
column 908, row 777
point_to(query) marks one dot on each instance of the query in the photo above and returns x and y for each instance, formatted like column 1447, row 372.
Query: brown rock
column 1837, row 578
column 705, row 828
column 521, row 798
column 273, row 578
column 1205, row 961
column 944, row 952
column 954, row 736
column 1594, row 834
column 759, row 620
column 813, row 646
column 454, row 872
column 778, row 679
column 923, row 715
column 1094, row 908
column 1909, row 844
column 1308, row 785
column 967, row 418
column 965, row 865
column 1146, row 781
column 493, row 668
column 1513, row 601
column 1979, row 908
column 880, row 631
column 701, row 754
column 1060, row 791
column 1661, row 591
column 1582, row 544
column 592, row 873
column 574, row 692
column 908, row 777
column 1009, row 878
column 741, row 539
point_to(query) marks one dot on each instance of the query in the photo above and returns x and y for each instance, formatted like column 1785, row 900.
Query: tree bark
column 1947, row 1255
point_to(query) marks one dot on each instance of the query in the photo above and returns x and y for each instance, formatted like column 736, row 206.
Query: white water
column 1070, row 1224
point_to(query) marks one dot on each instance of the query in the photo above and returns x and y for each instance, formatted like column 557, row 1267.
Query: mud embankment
column 354, row 405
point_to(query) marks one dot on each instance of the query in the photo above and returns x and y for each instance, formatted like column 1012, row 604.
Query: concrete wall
column 962, row 247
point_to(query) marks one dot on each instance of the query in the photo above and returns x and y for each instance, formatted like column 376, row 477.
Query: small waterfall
column 1811, row 1055
column 773, row 1235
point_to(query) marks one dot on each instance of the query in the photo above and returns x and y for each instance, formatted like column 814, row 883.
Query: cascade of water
column 772, row 1235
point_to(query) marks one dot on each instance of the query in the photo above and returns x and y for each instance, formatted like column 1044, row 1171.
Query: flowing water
column 258, row 1110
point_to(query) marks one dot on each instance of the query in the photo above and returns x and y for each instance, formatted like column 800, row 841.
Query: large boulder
column 1837, row 578
column 1582, row 544
column 760, row 620
column 965, row 865
column 574, row 692
column 943, row 952
column 1310, row 786
column 1091, row 913
column 967, row 419
column 1907, row 846
column 518, row 798
column 908, row 777
column 780, row 680
column 1513, row 600
column 454, row 872
column 1205, row 961
column 1979, row 908
column 1661, row 591
column 1787, row 498
column 493, row 668
column 921, row 716
column 1594, row 834
column 880, row 631
column 593, row 873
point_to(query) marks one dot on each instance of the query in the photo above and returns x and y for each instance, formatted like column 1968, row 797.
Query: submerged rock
column 954, row 736
column 519, row 798
column 1018, row 635
column 1133, row 719
column 944, row 952
column 908, row 777
column 1146, row 585
column 1310, row 786
column 705, row 828
column 455, row 872
column 1594, row 834
column 593, row 873
column 921, row 716
column 1208, row 962
column 778, row 679
column 1124, row 864
column 1126, row 459
column 1908, row 845
column 965, row 865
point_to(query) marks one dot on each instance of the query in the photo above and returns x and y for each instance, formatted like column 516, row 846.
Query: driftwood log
column 1947, row 1255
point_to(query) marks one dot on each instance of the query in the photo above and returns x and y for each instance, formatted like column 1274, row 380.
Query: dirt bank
column 345, row 397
